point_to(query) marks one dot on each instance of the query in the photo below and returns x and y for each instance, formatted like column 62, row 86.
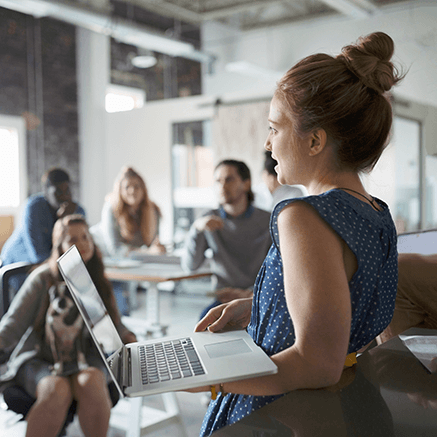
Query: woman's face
column 79, row 235
column 131, row 191
column 286, row 147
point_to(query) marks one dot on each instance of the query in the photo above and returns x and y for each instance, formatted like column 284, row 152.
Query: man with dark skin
column 31, row 240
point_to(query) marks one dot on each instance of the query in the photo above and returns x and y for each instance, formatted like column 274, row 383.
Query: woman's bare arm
column 318, row 299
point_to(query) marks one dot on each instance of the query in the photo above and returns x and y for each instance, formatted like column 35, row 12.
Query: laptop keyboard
column 169, row 360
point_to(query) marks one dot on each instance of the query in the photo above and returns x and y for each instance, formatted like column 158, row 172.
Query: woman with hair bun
column 328, row 284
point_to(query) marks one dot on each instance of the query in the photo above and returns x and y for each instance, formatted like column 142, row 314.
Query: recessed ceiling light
column 144, row 61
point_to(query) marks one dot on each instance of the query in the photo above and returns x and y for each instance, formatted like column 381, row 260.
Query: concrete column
column 93, row 69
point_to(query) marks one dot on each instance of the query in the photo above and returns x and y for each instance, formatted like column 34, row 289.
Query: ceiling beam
column 353, row 8
column 299, row 7
column 251, row 5
column 171, row 10
column 103, row 22
column 249, row 25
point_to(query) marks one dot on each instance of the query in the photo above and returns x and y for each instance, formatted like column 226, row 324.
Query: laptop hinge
column 127, row 367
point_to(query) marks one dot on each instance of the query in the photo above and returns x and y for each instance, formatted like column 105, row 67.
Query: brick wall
column 38, row 81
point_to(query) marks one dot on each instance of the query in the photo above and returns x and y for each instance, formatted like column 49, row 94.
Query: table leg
column 152, row 303
column 153, row 310
column 132, row 290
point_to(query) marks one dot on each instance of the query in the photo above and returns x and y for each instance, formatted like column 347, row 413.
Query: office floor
column 180, row 312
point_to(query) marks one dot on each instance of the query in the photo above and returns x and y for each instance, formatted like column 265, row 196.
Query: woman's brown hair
column 148, row 210
column 347, row 97
column 94, row 266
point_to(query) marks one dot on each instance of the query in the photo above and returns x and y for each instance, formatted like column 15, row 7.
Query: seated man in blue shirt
column 31, row 240
column 236, row 232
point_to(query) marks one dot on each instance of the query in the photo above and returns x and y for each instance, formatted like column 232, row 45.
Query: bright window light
column 9, row 168
column 120, row 98
column 118, row 103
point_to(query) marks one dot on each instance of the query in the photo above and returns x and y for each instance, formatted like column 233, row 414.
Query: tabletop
column 389, row 393
column 156, row 269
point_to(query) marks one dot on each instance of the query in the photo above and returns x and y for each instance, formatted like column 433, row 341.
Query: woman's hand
column 129, row 337
column 233, row 315
column 66, row 208
column 156, row 248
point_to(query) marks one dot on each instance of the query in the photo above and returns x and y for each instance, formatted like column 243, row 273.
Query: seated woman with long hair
column 130, row 220
column 22, row 331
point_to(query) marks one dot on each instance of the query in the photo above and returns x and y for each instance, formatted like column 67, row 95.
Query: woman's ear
column 318, row 140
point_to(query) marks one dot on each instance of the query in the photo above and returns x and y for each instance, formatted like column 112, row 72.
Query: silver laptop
column 422, row 242
column 165, row 364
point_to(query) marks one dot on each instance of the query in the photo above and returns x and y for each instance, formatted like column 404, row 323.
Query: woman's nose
column 267, row 145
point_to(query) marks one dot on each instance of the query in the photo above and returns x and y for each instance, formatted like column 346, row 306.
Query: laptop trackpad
column 226, row 348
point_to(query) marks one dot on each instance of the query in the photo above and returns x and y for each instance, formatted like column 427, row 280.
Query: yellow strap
column 213, row 392
column 351, row 359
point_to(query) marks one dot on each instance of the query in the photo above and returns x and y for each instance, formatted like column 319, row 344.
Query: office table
column 134, row 272
column 387, row 394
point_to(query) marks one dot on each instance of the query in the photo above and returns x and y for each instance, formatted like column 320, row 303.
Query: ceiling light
column 144, row 59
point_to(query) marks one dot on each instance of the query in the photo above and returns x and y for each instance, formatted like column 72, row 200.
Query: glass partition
column 192, row 175
column 397, row 175
column 431, row 192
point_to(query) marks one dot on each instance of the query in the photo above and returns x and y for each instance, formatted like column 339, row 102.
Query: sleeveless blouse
column 371, row 236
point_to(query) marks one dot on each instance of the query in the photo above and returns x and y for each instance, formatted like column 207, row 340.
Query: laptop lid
column 422, row 242
column 94, row 313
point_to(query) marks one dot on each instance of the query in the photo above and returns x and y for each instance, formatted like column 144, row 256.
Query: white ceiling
column 250, row 14
column 245, row 15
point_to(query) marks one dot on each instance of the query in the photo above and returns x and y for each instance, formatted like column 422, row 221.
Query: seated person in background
column 237, row 233
column 31, row 241
column 130, row 220
column 416, row 299
column 327, row 287
column 22, row 332
column 277, row 191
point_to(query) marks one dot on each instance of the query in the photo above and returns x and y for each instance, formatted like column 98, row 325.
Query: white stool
column 137, row 419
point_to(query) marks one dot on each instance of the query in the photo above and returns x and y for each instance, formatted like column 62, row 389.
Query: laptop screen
column 423, row 242
column 86, row 296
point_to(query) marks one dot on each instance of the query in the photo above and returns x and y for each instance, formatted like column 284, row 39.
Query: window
column 405, row 176
column 431, row 192
column 121, row 98
column 192, row 175
column 13, row 164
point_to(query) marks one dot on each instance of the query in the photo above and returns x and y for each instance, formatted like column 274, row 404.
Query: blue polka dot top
column 371, row 236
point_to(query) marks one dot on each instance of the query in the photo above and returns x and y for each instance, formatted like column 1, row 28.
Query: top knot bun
column 369, row 60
